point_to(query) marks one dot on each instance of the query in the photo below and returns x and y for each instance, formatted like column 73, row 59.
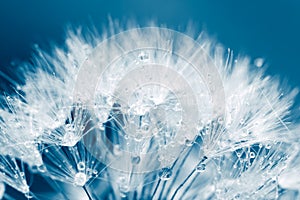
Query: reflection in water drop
column 165, row 174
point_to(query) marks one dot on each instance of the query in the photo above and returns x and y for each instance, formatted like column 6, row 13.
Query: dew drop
column 252, row 155
column 80, row 179
column 25, row 188
column 42, row 168
column 189, row 143
column 81, row 166
column 28, row 195
column 165, row 174
column 135, row 160
column 200, row 167
column 143, row 56
column 258, row 62
column 117, row 150
column 70, row 139
column 268, row 146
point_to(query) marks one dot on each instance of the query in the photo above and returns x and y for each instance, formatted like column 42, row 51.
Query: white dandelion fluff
column 148, row 113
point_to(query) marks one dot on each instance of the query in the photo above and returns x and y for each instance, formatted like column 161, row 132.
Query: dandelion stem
column 87, row 193
column 162, row 190
column 189, row 186
column 156, row 187
column 182, row 184
column 181, row 163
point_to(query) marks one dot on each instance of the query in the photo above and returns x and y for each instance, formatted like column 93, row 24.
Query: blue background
column 268, row 29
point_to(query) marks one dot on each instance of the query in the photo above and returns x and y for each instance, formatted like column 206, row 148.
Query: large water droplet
column 41, row 168
column 28, row 195
column 135, row 160
column 252, row 154
column 143, row 56
column 81, row 166
column 80, row 179
column 117, row 150
column 259, row 62
column 165, row 174
column 70, row 139
column 200, row 167
column 189, row 143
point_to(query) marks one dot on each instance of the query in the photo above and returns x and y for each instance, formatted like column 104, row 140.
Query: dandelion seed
column 148, row 113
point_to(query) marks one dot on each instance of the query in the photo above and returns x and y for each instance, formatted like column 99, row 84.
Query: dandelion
column 147, row 113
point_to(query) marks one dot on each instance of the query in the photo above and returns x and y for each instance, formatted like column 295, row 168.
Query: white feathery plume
column 152, row 113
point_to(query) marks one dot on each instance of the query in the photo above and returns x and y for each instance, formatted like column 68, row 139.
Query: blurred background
column 257, row 28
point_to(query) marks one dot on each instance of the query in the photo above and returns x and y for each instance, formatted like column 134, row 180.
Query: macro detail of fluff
column 147, row 113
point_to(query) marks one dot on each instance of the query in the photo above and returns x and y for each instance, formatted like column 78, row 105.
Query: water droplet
column 135, row 160
column 258, row 62
column 145, row 127
column 268, row 146
column 189, row 143
column 200, row 168
column 42, row 168
column 70, row 139
column 143, row 56
column 81, row 166
column 80, row 179
column 165, row 174
column 242, row 121
column 117, row 150
column 25, row 188
column 28, row 195
column 252, row 155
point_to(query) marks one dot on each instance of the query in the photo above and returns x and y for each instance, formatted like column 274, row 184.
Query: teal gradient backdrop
column 268, row 29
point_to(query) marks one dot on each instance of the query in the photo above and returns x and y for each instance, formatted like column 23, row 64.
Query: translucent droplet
column 117, row 150
column 165, row 174
column 81, row 166
column 8, row 98
column 135, row 160
column 143, row 56
column 28, row 195
column 80, row 179
column 200, row 167
column 70, row 139
column 25, row 189
column 258, row 62
column 42, row 168
column 123, row 186
column 189, row 143
column 252, row 155
column 145, row 127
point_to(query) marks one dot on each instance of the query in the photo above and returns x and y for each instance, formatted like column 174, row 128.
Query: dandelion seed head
column 149, row 113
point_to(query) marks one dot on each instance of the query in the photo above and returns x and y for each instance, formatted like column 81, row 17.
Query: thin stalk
column 87, row 193
column 182, row 184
